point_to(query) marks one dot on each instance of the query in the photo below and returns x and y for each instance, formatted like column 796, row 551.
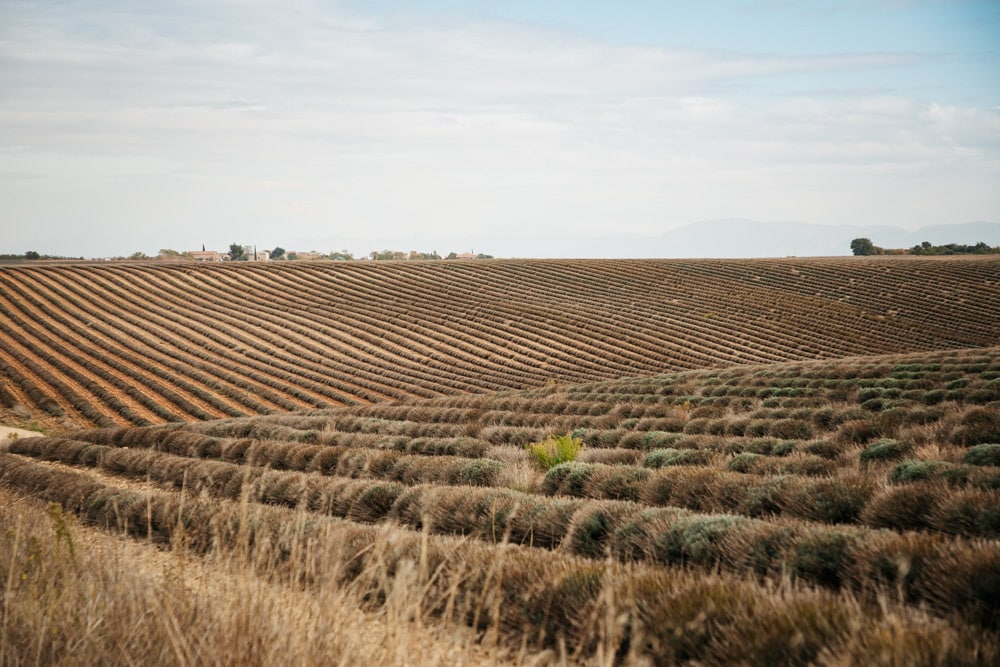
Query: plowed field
column 138, row 344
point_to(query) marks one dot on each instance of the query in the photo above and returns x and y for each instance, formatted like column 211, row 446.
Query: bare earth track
column 137, row 344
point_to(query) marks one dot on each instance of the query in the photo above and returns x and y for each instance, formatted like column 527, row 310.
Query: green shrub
column 971, row 513
column 375, row 502
column 694, row 539
column 656, row 439
column 874, row 404
column 849, row 415
column 588, row 436
column 735, row 427
column 592, row 526
column 659, row 458
column 823, row 418
column 869, row 394
column 979, row 425
column 761, row 446
column 765, row 498
column 707, row 412
column 744, row 462
column 913, row 470
column 859, row 431
column 554, row 450
column 934, row 396
column 987, row 394
column 987, row 454
column 809, row 466
column 480, row 472
column 617, row 482
column 835, row 500
column 696, row 426
column 886, row 449
column 890, row 421
column 902, row 507
column 824, row 448
column 823, row 557
column 784, row 448
column 567, row 478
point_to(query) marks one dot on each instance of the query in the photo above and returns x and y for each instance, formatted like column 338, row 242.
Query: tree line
column 864, row 246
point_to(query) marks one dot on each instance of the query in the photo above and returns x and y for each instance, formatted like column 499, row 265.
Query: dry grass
column 78, row 596
column 300, row 592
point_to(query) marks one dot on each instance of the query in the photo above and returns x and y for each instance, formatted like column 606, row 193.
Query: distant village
column 250, row 253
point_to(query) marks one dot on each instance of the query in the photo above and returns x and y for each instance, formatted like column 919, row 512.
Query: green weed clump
column 982, row 477
column 744, row 462
column 568, row 478
column 824, row 448
column 659, row 458
column 886, row 449
column 914, row 470
column 903, row 507
column 979, row 425
column 987, row 454
column 835, row 500
column 971, row 513
column 554, row 450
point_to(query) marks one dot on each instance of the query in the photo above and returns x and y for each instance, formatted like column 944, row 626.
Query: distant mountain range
column 713, row 238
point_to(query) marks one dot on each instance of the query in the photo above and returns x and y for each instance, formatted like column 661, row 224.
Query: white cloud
column 311, row 118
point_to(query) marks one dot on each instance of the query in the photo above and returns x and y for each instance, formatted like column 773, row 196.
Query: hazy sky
column 144, row 125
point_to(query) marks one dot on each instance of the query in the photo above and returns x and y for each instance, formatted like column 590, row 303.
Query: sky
column 319, row 124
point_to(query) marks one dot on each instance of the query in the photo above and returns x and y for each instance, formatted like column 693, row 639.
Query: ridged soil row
column 757, row 306
column 546, row 316
column 179, row 357
column 252, row 358
column 754, row 320
column 115, row 320
column 26, row 385
column 94, row 377
column 678, row 326
column 499, row 307
column 118, row 340
column 683, row 315
column 47, row 379
column 756, row 316
column 382, row 342
column 437, row 318
column 923, row 294
column 297, row 352
column 117, row 384
column 204, row 341
column 444, row 325
column 537, row 323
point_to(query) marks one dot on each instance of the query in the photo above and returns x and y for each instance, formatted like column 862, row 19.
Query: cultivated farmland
column 831, row 503
column 103, row 345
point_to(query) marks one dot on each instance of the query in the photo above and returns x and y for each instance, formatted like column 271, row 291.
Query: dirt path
column 9, row 433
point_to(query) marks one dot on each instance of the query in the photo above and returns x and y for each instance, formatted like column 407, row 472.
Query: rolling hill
column 93, row 344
